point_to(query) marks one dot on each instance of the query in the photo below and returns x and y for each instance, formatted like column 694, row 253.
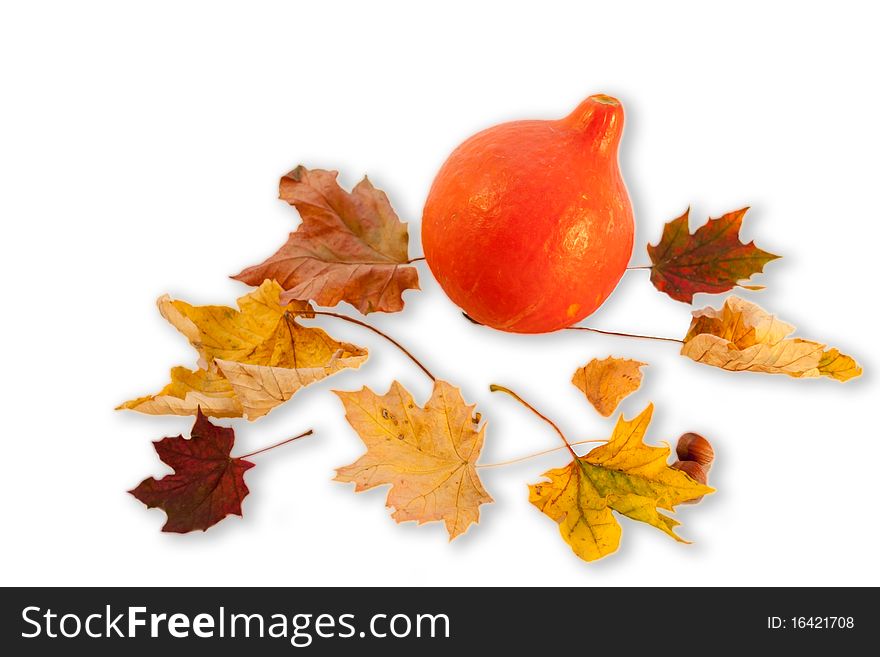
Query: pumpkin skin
column 528, row 226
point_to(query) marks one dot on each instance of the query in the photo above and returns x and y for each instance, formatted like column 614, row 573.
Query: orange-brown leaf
column 606, row 382
column 712, row 259
column 349, row 247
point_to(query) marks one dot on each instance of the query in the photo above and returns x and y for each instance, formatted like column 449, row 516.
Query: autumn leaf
column 350, row 247
column 251, row 360
column 624, row 475
column 712, row 259
column 606, row 382
column 428, row 454
column 838, row 366
column 207, row 484
column 188, row 391
column 741, row 336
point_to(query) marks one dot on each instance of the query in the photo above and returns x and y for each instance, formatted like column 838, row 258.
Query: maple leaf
column 251, row 360
column 742, row 336
column 624, row 475
column 428, row 454
column 207, row 484
column 712, row 259
column 350, row 246
column 606, row 382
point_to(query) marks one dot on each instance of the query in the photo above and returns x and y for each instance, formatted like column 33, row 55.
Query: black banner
column 342, row 621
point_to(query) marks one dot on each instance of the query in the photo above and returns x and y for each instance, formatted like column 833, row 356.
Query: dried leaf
column 207, row 484
column 350, row 247
column 188, row 392
column 623, row 475
column 838, row 366
column 742, row 336
column 251, row 360
column 712, row 259
column 426, row 454
column 606, row 382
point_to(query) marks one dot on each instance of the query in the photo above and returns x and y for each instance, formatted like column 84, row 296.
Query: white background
column 140, row 149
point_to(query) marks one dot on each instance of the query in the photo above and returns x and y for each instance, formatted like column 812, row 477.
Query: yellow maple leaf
column 742, row 336
column 623, row 475
column 428, row 454
column 251, row 359
column 606, row 382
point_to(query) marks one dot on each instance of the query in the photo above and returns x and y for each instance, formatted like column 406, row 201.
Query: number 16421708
column 810, row 623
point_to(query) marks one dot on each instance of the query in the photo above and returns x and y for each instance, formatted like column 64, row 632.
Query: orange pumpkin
column 528, row 226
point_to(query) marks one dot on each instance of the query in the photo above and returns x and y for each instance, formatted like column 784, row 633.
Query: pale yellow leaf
column 259, row 388
column 742, row 336
column 189, row 391
column 427, row 455
column 251, row 359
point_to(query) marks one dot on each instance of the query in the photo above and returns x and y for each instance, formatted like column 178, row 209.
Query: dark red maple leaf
column 207, row 484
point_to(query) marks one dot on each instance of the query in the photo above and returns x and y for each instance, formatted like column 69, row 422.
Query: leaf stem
column 283, row 442
column 640, row 267
column 535, row 455
column 623, row 335
column 373, row 329
column 497, row 388
column 595, row 330
column 412, row 260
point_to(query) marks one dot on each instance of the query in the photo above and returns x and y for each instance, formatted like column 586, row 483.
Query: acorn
column 693, row 447
column 696, row 472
